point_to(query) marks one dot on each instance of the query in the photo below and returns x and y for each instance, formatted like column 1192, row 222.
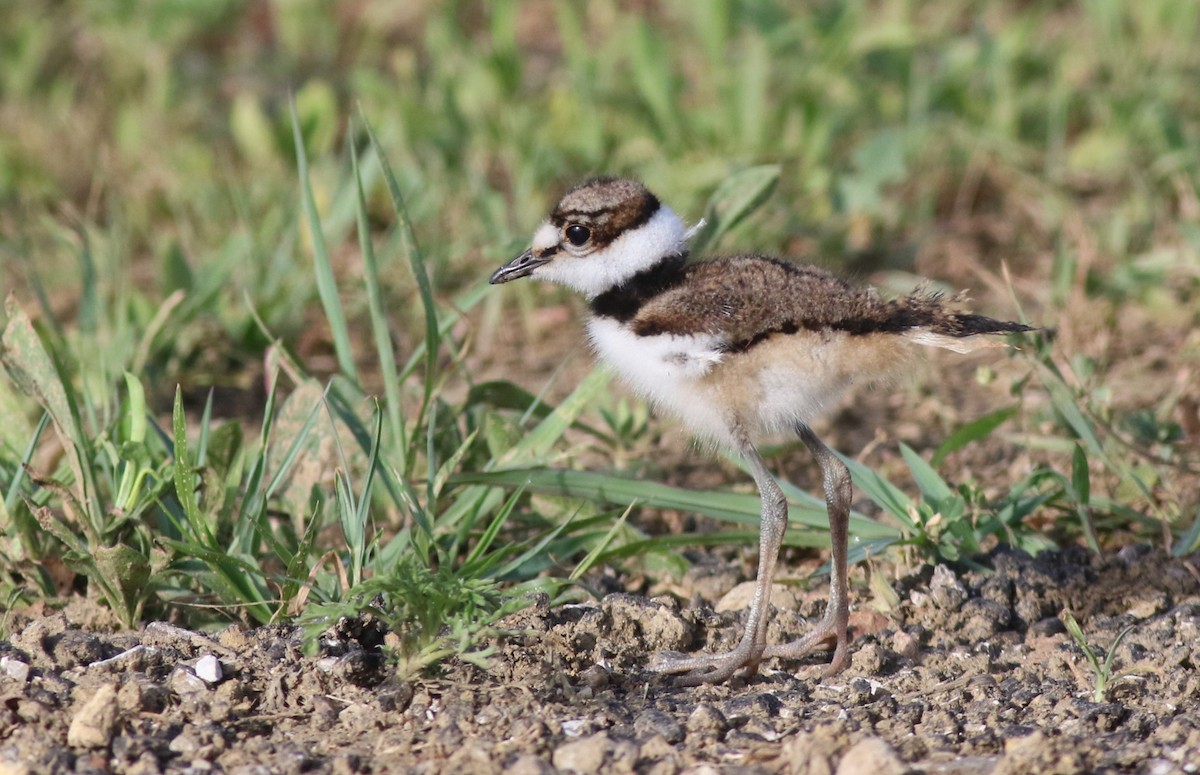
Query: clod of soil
column 971, row 674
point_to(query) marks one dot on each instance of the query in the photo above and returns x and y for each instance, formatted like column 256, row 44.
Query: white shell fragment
column 208, row 669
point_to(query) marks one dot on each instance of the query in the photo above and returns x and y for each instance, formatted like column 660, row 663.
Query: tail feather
column 963, row 332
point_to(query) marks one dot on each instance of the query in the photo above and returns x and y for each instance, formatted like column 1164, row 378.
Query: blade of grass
column 932, row 486
column 1082, row 490
column 880, row 490
column 322, row 266
column 37, row 374
column 605, row 488
column 420, row 275
column 379, row 326
column 972, row 431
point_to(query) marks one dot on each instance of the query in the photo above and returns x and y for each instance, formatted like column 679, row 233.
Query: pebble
column 783, row 596
column 906, row 645
column 94, row 722
column 871, row 756
column 595, row 678
column 528, row 764
column 868, row 659
column 13, row 768
column 14, row 668
column 208, row 669
column 657, row 625
column 575, row 727
column 585, row 755
column 184, row 681
column 946, row 591
column 707, row 721
column 655, row 722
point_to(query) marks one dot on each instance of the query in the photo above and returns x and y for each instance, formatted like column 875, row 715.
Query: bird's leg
column 837, row 615
column 713, row 668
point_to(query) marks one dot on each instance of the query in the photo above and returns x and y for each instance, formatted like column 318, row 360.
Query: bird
column 739, row 348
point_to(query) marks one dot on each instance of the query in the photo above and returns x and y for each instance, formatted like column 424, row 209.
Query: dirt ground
column 968, row 674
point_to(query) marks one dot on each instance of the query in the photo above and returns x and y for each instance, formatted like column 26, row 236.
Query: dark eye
column 577, row 235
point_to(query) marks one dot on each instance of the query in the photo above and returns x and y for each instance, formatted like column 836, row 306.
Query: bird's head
column 600, row 234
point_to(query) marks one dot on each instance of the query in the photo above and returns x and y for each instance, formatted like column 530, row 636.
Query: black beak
column 521, row 266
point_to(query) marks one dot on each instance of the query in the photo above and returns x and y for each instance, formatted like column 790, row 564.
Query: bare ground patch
column 971, row 673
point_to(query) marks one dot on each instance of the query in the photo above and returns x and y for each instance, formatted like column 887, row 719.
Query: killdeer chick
column 738, row 348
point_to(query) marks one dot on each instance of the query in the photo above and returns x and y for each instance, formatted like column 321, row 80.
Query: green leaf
column 972, row 431
column 322, row 266
column 1080, row 479
column 35, row 373
column 734, row 199
column 185, row 476
column 537, row 443
column 375, row 305
column 129, row 570
column 416, row 260
column 932, row 486
column 884, row 493
column 619, row 491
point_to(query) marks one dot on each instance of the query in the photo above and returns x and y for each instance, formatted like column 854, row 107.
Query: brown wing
column 745, row 299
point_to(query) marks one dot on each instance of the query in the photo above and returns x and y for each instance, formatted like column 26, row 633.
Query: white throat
column 634, row 251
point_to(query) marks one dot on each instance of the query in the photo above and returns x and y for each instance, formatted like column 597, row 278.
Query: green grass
column 247, row 352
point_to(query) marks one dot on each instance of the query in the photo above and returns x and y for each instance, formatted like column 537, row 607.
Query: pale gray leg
column 837, row 615
column 713, row 668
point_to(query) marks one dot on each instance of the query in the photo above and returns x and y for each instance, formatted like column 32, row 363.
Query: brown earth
column 969, row 673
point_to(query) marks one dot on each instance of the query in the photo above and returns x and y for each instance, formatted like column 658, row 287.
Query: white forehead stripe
column 632, row 252
column 545, row 237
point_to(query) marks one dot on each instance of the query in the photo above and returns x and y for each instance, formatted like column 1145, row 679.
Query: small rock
column 1024, row 754
column 595, row 677
column 395, row 698
column 984, row 619
column 657, row 749
column 359, row 716
column 783, row 596
column 95, row 720
column 871, row 756
column 129, row 698
column 208, row 669
column 184, row 682
column 528, row 764
column 707, row 721
column 234, row 637
column 906, row 645
column 655, row 722
column 585, row 755
column 1050, row 625
column 323, row 714
column 653, row 624
column 347, row 764
column 184, row 744
column 575, row 727
column 1149, row 605
column 869, row 659
column 14, row 668
column 147, row 764
column 11, row 764
column 946, row 591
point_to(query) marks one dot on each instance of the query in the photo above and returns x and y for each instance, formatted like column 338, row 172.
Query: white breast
column 764, row 392
column 667, row 370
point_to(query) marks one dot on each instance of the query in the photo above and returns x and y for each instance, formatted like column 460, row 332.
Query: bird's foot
column 707, row 668
column 829, row 630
